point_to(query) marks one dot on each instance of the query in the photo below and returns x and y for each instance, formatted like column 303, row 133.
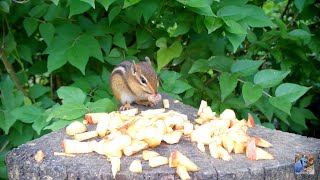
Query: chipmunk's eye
column 143, row 80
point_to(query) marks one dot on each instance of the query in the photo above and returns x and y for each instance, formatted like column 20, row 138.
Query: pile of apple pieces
column 226, row 134
column 126, row 133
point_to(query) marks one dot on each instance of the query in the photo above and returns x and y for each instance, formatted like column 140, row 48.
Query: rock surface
column 21, row 163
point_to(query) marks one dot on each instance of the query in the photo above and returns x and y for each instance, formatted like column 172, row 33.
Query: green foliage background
column 259, row 57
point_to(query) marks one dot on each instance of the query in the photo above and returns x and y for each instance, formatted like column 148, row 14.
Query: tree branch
column 12, row 73
column 285, row 9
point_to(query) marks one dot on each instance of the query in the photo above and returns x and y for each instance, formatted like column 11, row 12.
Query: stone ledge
column 21, row 163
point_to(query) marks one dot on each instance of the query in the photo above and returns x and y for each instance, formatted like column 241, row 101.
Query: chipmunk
column 135, row 82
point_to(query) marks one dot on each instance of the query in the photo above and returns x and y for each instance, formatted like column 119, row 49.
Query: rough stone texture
column 21, row 163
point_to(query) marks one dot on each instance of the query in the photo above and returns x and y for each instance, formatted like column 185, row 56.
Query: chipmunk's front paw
column 127, row 106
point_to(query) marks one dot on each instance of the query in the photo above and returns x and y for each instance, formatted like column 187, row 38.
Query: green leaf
column 235, row 28
column 4, row 6
column 6, row 121
column 178, row 29
column 281, row 103
column 39, row 124
column 56, row 60
column 105, row 43
column 236, row 40
column 212, row 23
column 228, row 82
column 161, row 42
column 27, row 114
column 58, row 125
column 170, row 76
column 17, row 138
column 144, row 39
column 301, row 35
column 119, row 40
column 269, row 77
column 102, row 105
column 180, row 87
column 55, row 2
column 266, row 108
column 69, row 111
column 47, row 32
column 25, row 53
column 128, row 3
column 10, row 99
column 255, row 16
column 268, row 125
column 39, row 10
column 78, row 7
column 246, row 67
column 70, row 94
column 115, row 56
column 106, row 3
column 291, row 92
column 299, row 4
column 232, row 12
column 30, row 25
column 305, row 101
column 90, row 2
column 220, row 63
column 113, row 14
column 251, row 93
column 83, row 47
column 201, row 7
column 148, row 8
column 165, row 55
column 200, row 65
column 298, row 117
column 38, row 90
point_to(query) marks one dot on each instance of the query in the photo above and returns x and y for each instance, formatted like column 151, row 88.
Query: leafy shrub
column 258, row 57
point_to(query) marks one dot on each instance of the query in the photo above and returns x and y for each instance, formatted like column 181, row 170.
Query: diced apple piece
column 173, row 137
column 227, row 143
column 85, row 135
column 115, row 121
column 251, row 151
column 152, row 112
column 93, row 118
column 228, row 114
column 220, row 123
column 166, row 103
column 103, row 124
column 135, row 147
column 239, row 148
column 136, row 166
column 223, row 154
column 250, row 121
column 150, row 135
column 213, row 148
column 187, row 128
column 39, row 156
column 130, row 112
column 75, row 127
column 177, row 158
column 203, row 104
column 147, row 154
column 158, row 161
column 115, row 165
column 262, row 154
column 201, row 147
column 200, row 120
column 74, row 146
column 98, row 148
column 182, row 173
column 262, row 143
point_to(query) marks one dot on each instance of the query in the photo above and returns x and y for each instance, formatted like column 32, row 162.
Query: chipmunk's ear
column 133, row 68
column 147, row 59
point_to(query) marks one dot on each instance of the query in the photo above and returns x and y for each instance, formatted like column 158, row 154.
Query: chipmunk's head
column 145, row 78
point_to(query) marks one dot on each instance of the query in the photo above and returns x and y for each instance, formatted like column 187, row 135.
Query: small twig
column 12, row 73
column 285, row 9
column 293, row 19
